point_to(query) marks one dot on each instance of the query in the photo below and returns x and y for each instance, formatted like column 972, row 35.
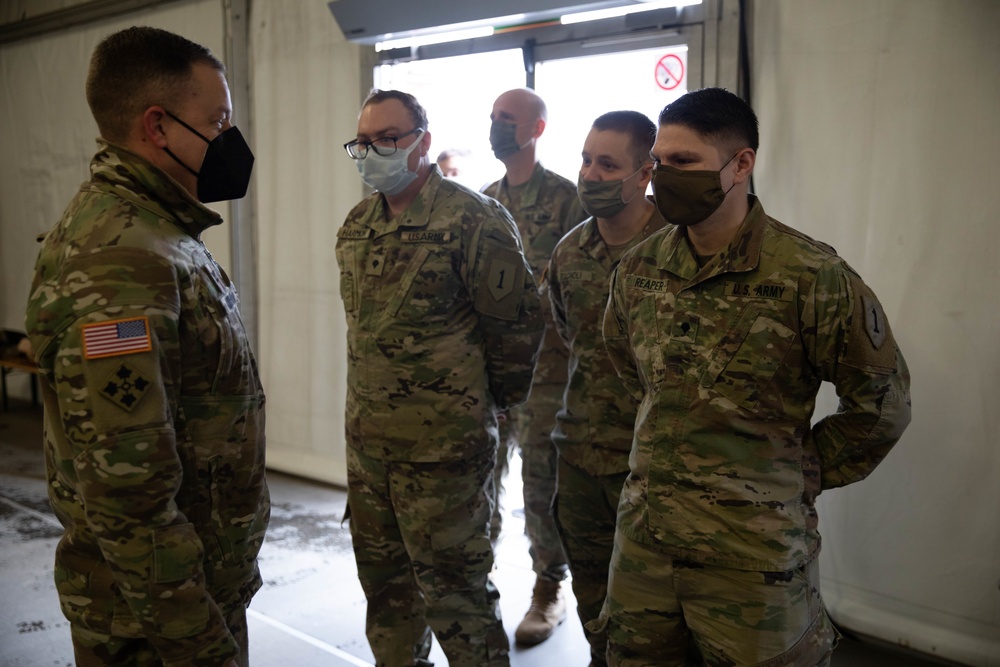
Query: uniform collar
column 742, row 253
column 134, row 178
column 530, row 189
column 417, row 214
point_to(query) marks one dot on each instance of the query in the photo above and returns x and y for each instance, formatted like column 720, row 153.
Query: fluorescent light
column 598, row 14
column 437, row 38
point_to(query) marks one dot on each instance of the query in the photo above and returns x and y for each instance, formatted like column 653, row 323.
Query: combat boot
column 547, row 611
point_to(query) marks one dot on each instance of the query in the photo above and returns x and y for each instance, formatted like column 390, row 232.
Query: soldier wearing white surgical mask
column 443, row 327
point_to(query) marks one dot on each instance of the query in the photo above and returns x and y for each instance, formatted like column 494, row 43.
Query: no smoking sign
column 669, row 72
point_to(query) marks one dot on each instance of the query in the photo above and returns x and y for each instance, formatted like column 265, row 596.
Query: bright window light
column 598, row 14
column 438, row 38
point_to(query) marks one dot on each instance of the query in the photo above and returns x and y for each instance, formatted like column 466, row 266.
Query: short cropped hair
column 417, row 113
column 716, row 115
column 136, row 68
column 636, row 126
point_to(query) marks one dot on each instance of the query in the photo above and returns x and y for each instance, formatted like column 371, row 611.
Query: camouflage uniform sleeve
column 616, row 340
column 555, row 296
column 506, row 300
column 853, row 347
column 120, row 447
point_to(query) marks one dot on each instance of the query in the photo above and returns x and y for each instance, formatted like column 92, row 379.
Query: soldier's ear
column 152, row 126
column 539, row 128
column 745, row 162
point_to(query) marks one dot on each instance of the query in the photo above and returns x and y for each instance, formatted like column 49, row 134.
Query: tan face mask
column 685, row 197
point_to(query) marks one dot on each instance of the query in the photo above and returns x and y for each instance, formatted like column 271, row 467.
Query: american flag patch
column 109, row 339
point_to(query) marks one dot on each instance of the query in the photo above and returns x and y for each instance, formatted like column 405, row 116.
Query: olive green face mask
column 685, row 197
column 603, row 199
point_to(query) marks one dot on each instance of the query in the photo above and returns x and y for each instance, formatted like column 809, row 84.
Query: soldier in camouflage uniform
column 724, row 325
column 444, row 324
column 545, row 206
column 594, row 427
column 154, row 413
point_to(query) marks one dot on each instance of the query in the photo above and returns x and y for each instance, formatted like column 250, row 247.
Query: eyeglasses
column 384, row 146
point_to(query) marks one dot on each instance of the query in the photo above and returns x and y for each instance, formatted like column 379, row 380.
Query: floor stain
column 25, row 627
column 293, row 527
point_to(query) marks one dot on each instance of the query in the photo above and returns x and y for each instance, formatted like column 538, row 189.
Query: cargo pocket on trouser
column 815, row 648
column 464, row 609
column 177, row 589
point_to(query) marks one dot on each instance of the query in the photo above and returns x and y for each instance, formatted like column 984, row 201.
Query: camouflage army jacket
column 594, row 427
column 726, row 361
column 443, row 323
column 549, row 207
column 154, row 422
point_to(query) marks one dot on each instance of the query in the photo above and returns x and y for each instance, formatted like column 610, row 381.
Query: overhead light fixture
column 437, row 38
column 598, row 14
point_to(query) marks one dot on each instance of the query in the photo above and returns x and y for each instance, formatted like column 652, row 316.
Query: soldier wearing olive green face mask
column 722, row 327
column 593, row 430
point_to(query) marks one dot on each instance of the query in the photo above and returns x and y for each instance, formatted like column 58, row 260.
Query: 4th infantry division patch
column 125, row 387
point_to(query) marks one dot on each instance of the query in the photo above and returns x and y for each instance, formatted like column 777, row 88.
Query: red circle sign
column 669, row 72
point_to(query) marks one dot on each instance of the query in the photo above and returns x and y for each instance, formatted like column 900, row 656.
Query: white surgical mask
column 388, row 174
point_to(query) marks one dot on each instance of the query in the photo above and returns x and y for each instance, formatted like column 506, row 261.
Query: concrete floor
column 311, row 609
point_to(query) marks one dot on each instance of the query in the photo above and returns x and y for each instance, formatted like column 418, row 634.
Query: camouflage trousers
column 421, row 540
column 666, row 612
column 97, row 649
column 585, row 510
column 529, row 426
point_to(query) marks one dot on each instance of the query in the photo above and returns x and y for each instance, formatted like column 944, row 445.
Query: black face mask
column 225, row 171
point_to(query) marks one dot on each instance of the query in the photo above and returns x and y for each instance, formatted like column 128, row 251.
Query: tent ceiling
column 370, row 21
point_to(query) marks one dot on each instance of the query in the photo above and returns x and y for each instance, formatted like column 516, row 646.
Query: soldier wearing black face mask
column 225, row 171
column 153, row 405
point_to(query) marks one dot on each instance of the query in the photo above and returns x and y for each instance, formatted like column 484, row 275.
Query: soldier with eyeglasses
column 444, row 324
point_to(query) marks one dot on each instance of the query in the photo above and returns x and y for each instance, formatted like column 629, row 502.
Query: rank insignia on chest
column 125, row 387
column 116, row 337
column 376, row 264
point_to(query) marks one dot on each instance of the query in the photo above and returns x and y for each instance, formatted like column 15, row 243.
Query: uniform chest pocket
column 347, row 250
column 647, row 343
column 235, row 366
column 426, row 289
column 745, row 360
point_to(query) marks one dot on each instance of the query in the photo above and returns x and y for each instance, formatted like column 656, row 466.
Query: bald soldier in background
column 154, row 413
column 545, row 206
column 594, row 427
column 443, row 328
column 724, row 325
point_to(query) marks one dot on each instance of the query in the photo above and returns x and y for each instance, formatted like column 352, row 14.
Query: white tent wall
column 47, row 136
column 878, row 130
column 307, row 83
column 879, row 135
